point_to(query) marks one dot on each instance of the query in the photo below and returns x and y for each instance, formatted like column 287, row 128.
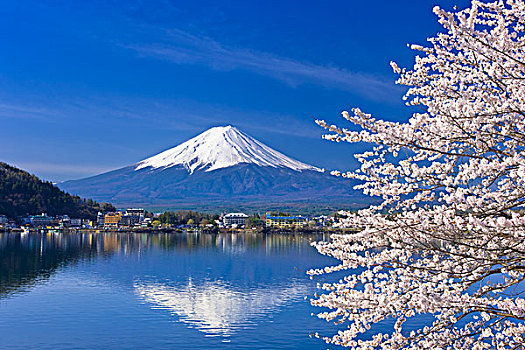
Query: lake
column 158, row 291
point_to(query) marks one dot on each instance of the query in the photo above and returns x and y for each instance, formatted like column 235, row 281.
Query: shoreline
column 263, row 231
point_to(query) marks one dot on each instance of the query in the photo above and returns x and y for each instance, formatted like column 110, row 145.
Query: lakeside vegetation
column 198, row 219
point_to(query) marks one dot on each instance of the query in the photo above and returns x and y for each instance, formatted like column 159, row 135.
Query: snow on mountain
column 221, row 147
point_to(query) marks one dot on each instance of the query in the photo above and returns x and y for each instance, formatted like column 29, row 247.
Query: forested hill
column 23, row 194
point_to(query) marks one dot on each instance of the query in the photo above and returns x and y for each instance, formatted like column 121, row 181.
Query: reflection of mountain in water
column 217, row 308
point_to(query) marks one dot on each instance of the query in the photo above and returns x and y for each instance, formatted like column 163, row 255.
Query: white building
column 100, row 219
column 132, row 217
column 136, row 212
column 238, row 219
column 75, row 222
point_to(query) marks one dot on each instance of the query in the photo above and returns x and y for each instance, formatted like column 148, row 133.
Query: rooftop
column 236, row 215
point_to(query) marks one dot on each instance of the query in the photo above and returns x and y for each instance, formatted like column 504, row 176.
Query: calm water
column 173, row 291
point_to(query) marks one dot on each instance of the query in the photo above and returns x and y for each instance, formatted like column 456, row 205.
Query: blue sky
column 91, row 86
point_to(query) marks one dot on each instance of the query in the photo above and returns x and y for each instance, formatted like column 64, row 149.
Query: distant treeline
column 23, row 194
column 188, row 217
column 185, row 217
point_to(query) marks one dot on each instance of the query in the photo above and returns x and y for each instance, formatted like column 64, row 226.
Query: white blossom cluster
column 448, row 238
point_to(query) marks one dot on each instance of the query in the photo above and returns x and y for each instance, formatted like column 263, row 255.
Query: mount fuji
column 223, row 164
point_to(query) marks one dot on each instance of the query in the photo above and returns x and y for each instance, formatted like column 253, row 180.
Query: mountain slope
column 221, row 164
column 22, row 194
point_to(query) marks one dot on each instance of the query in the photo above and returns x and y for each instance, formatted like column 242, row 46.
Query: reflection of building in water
column 35, row 255
column 111, row 242
column 29, row 258
column 217, row 308
column 130, row 243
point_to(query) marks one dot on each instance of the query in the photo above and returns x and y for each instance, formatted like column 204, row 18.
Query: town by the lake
column 135, row 219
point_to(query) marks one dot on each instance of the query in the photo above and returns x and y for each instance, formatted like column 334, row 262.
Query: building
column 136, row 212
column 63, row 220
column 132, row 217
column 238, row 219
column 40, row 220
column 323, row 221
column 146, row 222
column 130, row 220
column 75, row 222
column 285, row 221
column 3, row 220
column 112, row 219
column 100, row 219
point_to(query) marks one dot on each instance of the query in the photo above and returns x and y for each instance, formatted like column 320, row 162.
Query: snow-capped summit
column 221, row 147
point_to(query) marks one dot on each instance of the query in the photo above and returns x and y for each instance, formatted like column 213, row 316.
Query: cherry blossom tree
column 446, row 244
